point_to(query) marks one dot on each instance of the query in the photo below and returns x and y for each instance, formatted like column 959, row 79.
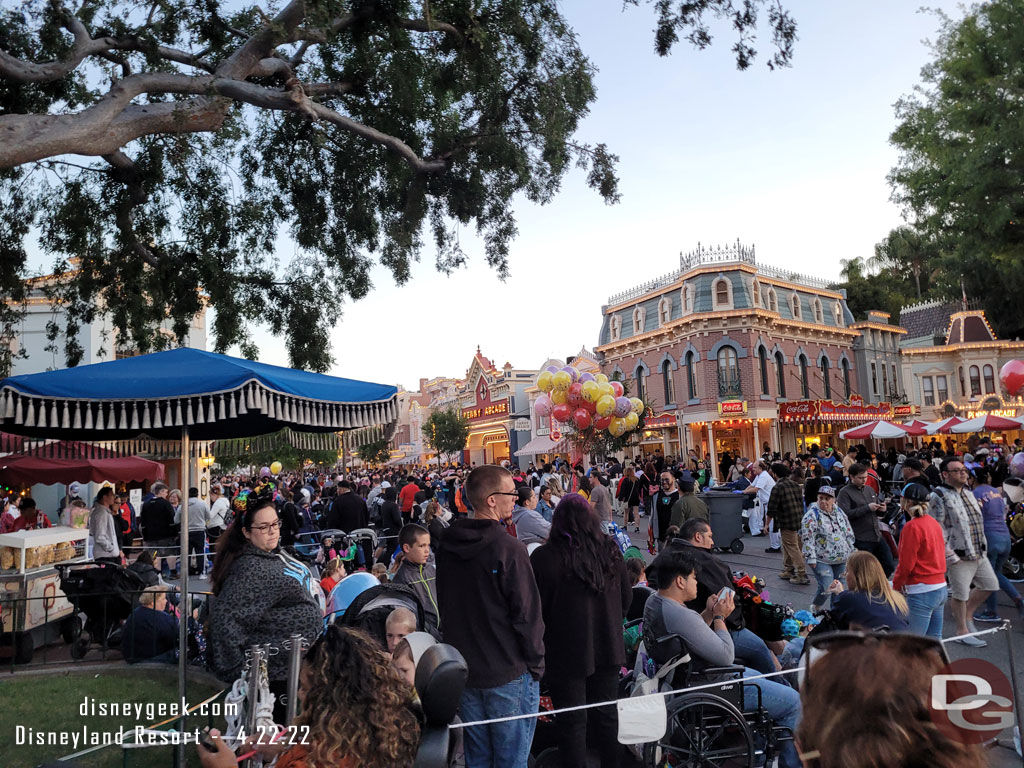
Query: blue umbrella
column 214, row 396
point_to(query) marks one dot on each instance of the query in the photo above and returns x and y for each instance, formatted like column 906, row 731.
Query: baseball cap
column 827, row 490
column 385, row 484
column 982, row 452
column 968, row 457
column 790, row 628
column 806, row 617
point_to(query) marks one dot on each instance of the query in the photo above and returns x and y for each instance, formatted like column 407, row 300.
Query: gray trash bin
column 725, row 509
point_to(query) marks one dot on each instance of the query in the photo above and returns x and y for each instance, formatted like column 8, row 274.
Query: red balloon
column 575, row 394
column 603, row 422
column 562, row 412
column 591, row 407
column 581, row 418
column 1011, row 376
column 617, row 388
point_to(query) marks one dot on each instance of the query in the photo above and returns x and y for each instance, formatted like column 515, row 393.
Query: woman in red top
column 921, row 571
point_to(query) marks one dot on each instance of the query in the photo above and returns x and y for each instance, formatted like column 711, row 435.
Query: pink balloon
column 581, row 418
column 542, row 406
column 617, row 390
column 622, row 406
column 603, row 422
column 575, row 394
column 562, row 412
column 1011, row 376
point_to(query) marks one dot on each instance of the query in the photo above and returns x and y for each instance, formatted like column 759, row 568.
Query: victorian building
column 721, row 344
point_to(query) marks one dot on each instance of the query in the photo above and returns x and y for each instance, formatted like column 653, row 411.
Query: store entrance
column 804, row 443
column 730, row 440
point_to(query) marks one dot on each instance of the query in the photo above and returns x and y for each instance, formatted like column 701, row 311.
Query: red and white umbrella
column 944, row 425
column 879, row 430
column 986, row 424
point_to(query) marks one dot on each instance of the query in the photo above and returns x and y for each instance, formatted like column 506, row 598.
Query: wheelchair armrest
column 726, row 670
column 631, row 624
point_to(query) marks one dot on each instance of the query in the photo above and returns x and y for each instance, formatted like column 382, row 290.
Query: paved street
column 755, row 561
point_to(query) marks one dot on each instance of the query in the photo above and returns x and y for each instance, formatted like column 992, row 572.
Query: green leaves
column 446, row 432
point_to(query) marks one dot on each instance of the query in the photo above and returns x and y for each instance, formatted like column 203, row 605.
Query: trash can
column 725, row 508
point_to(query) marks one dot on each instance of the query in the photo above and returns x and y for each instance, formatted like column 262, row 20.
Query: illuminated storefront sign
column 482, row 412
column 827, row 410
column 732, row 408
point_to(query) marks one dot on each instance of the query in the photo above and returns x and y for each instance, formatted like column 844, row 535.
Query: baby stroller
column 106, row 593
column 369, row 611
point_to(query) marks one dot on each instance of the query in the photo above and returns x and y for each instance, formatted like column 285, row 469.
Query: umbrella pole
column 184, row 601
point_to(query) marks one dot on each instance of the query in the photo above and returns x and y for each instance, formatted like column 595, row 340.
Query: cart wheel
column 71, row 629
column 79, row 648
column 1013, row 569
column 24, row 647
column 736, row 547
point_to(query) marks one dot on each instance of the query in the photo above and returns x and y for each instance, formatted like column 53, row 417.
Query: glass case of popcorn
column 25, row 551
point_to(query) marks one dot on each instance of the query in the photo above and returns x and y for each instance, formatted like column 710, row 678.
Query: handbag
column 764, row 619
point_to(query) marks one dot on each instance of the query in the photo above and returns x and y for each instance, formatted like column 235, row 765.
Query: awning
column 879, row 430
column 78, row 462
column 543, row 444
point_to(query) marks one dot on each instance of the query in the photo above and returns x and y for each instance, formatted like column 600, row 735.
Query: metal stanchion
column 294, row 668
column 257, row 655
column 1013, row 682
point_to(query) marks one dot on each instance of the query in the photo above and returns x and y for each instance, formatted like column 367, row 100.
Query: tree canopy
column 960, row 175
column 160, row 149
column 446, row 432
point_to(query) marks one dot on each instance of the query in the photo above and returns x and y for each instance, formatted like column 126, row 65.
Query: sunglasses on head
column 819, row 646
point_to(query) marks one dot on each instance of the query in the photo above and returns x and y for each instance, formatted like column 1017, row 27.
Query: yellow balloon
column 638, row 406
column 562, row 381
column 617, row 427
column 275, row 467
column 559, row 396
column 591, row 391
column 544, row 381
column 605, row 388
column 631, row 421
column 601, row 378
column 605, row 405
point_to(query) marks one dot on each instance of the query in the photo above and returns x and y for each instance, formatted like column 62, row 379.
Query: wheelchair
column 711, row 726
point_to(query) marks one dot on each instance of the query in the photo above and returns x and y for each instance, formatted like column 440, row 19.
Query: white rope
column 665, row 694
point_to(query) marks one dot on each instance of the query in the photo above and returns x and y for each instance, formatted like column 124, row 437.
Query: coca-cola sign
column 799, row 409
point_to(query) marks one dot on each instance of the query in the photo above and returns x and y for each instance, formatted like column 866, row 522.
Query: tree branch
column 125, row 171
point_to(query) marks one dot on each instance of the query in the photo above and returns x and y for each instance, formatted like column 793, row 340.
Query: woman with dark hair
column 261, row 595
column 357, row 710
column 585, row 592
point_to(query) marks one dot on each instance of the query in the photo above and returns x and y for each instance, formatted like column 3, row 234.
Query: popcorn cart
column 33, row 609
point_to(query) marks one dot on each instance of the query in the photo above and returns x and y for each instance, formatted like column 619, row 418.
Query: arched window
column 722, row 293
column 641, row 389
column 691, row 378
column 975, row 381
column 762, row 356
column 819, row 315
column 847, row 388
column 795, row 303
column 666, row 381
column 615, row 327
column 756, row 293
column 638, row 321
column 664, row 310
column 805, row 386
column 990, row 381
column 963, row 389
column 780, row 374
column 728, row 373
column 773, row 300
column 825, row 378
column 687, row 299
column 837, row 310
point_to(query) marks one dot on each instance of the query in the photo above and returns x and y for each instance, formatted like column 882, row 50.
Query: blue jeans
column 752, row 651
column 501, row 745
column 782, row 704
column 825, row 574
column 998, row 551
column 925, row 617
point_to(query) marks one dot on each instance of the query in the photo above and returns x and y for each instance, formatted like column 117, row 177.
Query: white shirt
column 218, row 511
column 764, row 484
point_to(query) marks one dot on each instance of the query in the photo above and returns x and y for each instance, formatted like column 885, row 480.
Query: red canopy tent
column 988, row 423
column 68, row 461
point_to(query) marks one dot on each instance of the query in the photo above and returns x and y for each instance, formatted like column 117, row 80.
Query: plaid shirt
column 962, row 523
column 786, row 505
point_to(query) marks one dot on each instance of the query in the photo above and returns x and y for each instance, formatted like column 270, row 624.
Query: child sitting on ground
column 381, row 572
column 637, row 572
column 400, row 623
column 332, row 574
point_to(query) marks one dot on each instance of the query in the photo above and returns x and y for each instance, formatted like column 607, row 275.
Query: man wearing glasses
column 490, row 610
column 957, row 511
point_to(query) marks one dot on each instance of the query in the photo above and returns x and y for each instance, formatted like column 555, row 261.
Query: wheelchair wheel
column 704, row 731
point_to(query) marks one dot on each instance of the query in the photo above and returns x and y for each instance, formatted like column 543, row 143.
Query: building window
column 975, row 381
column 773, row 300
column 805, row 385
column 664, row 310
column 819, row 316
column 640, row 388
column 763, row 361
column 691, row 378
column 895, row 382
column 780, row 373
column 837, row 311
column 638, row 320
column 721, row 293
column 943, row 389
column 687, row 299
column 885, row 381
column 666, row 380
column 847, row 387
column 990, row 381
column 615, row 327
column 963, row 389
column 874, row 380
column 825, row 379
column 796, row 307
column 927, row 390
column 544, row 422
column 728, row 373
column 756, row 293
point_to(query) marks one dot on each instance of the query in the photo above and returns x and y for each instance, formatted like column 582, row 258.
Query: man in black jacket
column 713, row 574
column 159, row 532
column 348, row 512
column 490, row 610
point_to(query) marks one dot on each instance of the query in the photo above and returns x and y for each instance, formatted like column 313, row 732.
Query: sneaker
column 772, row 550
column 636, row 529
column 988, row 618
column 973, row 642
column 800, row 580
column 786, row 576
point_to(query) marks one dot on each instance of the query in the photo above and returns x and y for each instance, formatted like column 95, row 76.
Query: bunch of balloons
column 586, row 400
column 274, row 469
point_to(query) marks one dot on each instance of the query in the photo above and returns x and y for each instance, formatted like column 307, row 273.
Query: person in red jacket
column 921, row 571
column 406, row 498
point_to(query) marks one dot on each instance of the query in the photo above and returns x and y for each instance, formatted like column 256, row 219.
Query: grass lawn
column 51, row 705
